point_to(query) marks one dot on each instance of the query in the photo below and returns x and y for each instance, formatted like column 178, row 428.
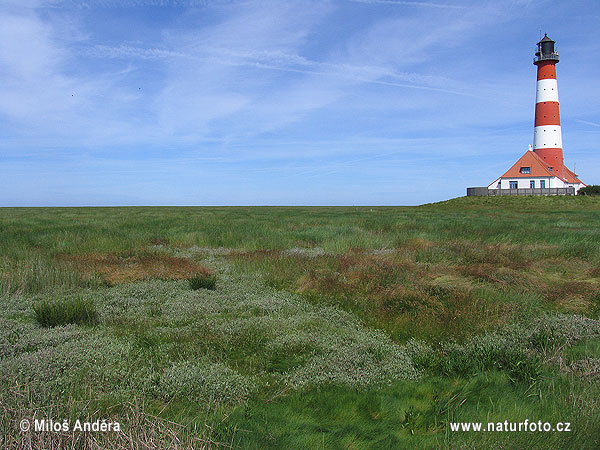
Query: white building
column 531, row 172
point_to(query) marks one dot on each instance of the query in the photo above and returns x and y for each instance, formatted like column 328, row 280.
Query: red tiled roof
column 538, row 168
column 571, row 177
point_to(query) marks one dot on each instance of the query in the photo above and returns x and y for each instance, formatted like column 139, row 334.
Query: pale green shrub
column 202, row 381
column 517, row 349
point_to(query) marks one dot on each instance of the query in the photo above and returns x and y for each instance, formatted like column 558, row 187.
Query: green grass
column 64, row 311
column 203, row 281
column 409, row 415
column 341, row 327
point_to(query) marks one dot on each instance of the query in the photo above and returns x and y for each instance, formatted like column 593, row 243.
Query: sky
column 329, row 102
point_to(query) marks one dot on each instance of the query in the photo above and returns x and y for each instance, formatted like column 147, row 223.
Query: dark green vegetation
column 203, row 281
column 63, row 311
column 326, row 328
column 592, row 189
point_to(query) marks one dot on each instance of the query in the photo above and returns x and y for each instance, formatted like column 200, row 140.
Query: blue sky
column 225, row 102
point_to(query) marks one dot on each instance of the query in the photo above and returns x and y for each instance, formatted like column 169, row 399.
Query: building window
column 532, row 184
column 513, row 185
column 542, row 184
column 525, row 169
column 550, row 169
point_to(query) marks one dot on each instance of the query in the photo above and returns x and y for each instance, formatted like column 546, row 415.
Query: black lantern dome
column 545, row 50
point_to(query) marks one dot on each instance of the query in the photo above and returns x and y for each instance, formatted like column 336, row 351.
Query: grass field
column 298, row 327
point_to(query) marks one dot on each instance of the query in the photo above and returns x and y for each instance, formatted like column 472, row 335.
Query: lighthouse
column 541, row 170
column 547, row 136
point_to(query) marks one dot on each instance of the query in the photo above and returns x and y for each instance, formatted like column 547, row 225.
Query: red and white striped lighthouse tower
column 541, row 171
column 547, row 137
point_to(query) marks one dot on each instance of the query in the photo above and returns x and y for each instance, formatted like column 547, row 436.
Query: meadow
column 303, row 327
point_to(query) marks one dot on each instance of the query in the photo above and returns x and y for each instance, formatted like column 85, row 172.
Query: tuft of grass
column 203, row 281
column 77, row 310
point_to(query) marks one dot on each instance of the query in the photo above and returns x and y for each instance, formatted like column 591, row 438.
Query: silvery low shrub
column 201, row 381
column 552, row 331
column 517, row 349
column 337, row 350
column 18, row 337
column 62, row 361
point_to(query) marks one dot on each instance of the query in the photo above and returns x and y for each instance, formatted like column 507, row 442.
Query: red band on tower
column 546, row 70
column 547, row 113
column 553, row 157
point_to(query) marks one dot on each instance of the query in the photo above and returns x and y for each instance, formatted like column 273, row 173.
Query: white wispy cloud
column 276, row 60
column 114, row 4
column 587, row 122
column 409, row 3
column 224, row 79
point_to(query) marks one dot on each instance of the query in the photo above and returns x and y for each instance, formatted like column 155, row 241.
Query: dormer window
column 525, row 169
column 550, row 169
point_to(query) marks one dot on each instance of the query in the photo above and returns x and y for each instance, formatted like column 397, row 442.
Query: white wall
column 557, row 183
column 494, row 184
column 523, row 183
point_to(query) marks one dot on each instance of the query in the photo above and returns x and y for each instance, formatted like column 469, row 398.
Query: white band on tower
column 547, row 91
column 548, row 136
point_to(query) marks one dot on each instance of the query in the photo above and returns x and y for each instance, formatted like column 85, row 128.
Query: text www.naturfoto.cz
column 527, row 425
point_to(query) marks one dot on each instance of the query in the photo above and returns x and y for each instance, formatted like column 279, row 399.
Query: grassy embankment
column 308, row 339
